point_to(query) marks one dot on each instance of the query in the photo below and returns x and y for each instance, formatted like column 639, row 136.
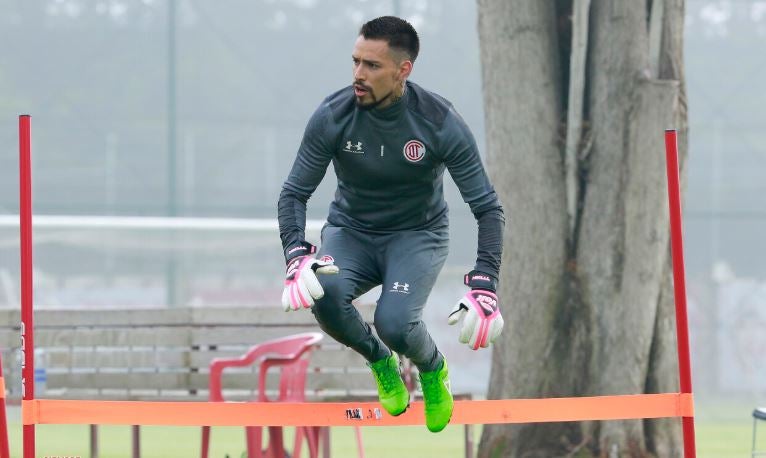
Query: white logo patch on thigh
column 403, row 288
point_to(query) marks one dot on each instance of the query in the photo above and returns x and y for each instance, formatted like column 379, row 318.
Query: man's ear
column 405, row 68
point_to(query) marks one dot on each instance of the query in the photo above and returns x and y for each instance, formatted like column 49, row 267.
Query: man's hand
column 482, row 321
column 301, row 284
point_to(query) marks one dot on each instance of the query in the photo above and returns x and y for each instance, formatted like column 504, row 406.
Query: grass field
column 723, row 430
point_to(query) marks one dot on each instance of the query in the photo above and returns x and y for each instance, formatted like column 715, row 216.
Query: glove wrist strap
column 302, row 249
column 480, row 280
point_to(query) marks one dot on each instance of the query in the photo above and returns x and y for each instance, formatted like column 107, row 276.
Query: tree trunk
column 588, row 314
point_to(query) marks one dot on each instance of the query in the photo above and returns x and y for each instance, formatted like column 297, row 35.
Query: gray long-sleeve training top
column 390, row 164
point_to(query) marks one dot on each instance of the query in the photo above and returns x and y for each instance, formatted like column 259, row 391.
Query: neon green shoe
column 437, row 397
column 392, row 392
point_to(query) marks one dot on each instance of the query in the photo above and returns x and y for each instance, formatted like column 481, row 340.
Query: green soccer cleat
column 392, row 392
column 437, row 397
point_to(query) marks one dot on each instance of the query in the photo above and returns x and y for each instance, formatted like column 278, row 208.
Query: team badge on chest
column 414, row 150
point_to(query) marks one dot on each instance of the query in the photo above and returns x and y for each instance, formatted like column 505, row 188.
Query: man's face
column 377, row 73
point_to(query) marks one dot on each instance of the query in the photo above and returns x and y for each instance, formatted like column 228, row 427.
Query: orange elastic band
column 49, row 411
column 2, row 387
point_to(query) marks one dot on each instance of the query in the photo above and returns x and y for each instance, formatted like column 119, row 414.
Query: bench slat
column 264, row 316
column 150, row 358
column 260, row 316
column 99, row 381
column 316, row 381
column 110, row 337
column 235, row 335
column 118, row 358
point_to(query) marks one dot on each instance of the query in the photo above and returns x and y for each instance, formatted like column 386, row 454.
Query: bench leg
column 93, row 441
column 325, row 433
column 205, row 441
column 136, row 441
column 468, row 433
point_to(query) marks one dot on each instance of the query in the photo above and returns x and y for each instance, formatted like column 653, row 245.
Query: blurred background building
column 194, row 109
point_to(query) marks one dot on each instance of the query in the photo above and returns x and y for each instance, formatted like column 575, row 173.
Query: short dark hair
column 398, row 33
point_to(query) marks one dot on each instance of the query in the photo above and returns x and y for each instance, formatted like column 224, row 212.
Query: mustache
column 362, row 85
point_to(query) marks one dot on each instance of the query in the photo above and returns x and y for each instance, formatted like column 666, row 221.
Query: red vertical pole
column 679, row 282
column 27, row 324
column 4, row 452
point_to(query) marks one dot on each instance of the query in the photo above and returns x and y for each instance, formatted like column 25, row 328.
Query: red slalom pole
column 679, row 282
column 4, row 452
column 27, row 323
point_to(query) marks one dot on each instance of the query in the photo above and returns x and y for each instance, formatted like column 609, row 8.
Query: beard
column 374, row 102
column 369, row 105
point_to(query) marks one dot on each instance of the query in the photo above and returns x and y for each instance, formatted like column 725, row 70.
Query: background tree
column 577, row 95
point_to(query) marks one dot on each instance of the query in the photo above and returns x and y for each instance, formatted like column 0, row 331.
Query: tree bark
column 590, row 314
column 580, row 14
column 522, row 95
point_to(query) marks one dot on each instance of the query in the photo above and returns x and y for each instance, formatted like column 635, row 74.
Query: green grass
column 167, row 442
column 723, row 430
column 724, row 427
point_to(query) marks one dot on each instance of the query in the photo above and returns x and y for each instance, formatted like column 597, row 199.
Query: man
column 389, row 141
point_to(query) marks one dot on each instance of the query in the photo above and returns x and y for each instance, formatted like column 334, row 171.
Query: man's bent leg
column 338, row 317
column 334, row 312
column 413, row 261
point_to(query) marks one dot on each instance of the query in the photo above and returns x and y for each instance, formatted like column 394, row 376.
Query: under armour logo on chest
column 353, row 147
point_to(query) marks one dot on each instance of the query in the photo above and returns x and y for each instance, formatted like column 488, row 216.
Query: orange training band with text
column 50, row 411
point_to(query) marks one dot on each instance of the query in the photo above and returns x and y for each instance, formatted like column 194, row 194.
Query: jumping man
column 389, row 141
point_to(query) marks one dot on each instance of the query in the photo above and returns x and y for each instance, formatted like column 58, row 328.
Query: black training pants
column 406, row 263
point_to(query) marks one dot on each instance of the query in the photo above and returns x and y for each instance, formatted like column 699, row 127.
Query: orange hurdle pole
column 679, row 283
column 183, row 413
column 27, row 324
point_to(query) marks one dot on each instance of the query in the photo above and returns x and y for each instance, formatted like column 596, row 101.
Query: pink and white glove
column 482, row 321
column 301, row 284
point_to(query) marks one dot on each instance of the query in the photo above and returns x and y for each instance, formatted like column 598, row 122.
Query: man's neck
column 399, row 94
column 395, row 96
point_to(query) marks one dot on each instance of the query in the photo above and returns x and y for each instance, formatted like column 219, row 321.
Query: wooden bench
column 163, row 354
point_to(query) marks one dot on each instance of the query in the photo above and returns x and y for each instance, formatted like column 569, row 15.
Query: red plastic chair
column 291, row 355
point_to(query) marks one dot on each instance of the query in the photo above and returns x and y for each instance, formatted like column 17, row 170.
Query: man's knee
column 334, row 310
column 396, row 331
column 337, row 296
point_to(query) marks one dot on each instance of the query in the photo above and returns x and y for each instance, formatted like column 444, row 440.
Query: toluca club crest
column 414, row 150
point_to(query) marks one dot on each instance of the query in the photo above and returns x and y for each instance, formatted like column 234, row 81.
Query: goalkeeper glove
column 482, row 319
column 301, row 284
